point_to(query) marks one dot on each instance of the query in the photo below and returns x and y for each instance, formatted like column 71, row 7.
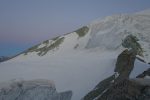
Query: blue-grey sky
column 24, row 23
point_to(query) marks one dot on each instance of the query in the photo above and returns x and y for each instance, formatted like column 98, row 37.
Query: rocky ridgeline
column 2, row 58
column 32, row 90
column 119, row 86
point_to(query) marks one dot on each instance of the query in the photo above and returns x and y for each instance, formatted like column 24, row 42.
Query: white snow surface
column 77, row 71
column 109, row 32
column 81, row 69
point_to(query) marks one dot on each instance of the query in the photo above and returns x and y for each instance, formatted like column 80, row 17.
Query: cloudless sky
column 24, row 23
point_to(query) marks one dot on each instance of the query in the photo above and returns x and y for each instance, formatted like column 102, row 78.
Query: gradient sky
column 24, row 23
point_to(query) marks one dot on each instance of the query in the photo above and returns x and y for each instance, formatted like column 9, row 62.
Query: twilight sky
column 24, row 23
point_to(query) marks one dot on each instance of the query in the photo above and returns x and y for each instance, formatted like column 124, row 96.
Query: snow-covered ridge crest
column 144, row 12
column 106, row 34
column 77, row 39
column 109, row 32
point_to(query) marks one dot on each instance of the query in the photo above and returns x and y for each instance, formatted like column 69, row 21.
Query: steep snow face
column 109, row 33
column 105, row 34
column 78, row 61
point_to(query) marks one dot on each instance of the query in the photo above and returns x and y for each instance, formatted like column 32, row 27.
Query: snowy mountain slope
column 110, row 32
column 78, row 61
column 78, row 72
column 106, row 34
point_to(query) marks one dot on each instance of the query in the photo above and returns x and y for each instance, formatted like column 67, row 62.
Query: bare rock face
column 126, row 90
column 32, row 90
column 125, row 63
column 119, row 86
column 100, row 88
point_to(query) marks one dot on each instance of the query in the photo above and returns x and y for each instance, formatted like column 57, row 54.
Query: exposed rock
column 131, row 42
column 119, row 86
column 32, row 90
column 141, row 81
column 82, row 31
column 144, row 74
column 3, row 58
column 121, row 90
column 125, row 63
column 126, row 90
column 41, row 51
column 100, row 88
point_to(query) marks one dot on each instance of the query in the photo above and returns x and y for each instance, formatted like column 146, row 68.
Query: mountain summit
column 79, row 60
column 110, row 34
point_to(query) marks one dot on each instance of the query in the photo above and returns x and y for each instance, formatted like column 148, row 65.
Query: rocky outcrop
column 131, row 42
column 100, row 88
column 119, row 86
column 126, row 90
column 125, row 63
column 3, row 58
column 32, row 90
column 47, row 46
column 144, row 74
